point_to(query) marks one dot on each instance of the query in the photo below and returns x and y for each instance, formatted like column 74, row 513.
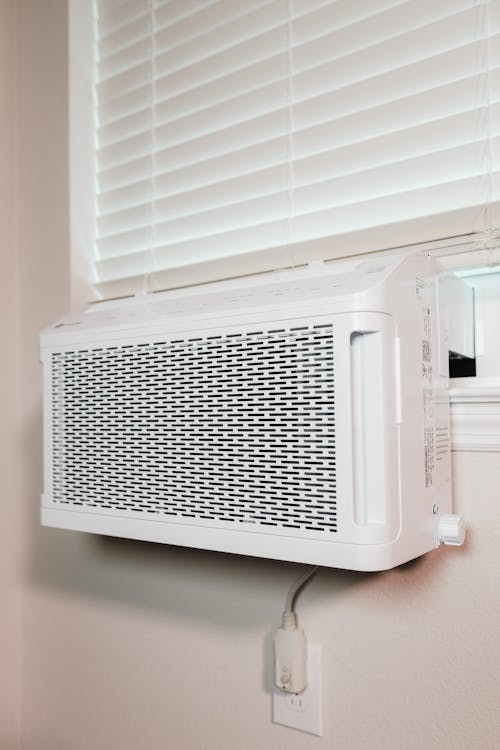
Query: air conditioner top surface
column 317, row 289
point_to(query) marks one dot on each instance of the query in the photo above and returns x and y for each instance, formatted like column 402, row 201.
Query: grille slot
column 235, row 429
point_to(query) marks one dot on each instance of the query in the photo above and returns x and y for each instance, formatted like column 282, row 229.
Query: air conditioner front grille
column 234, row 429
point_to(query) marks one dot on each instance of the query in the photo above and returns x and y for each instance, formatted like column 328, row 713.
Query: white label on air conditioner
column 428, row 397
column 429, row 447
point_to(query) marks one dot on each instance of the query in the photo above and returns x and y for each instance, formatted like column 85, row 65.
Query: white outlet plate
column 304, row 711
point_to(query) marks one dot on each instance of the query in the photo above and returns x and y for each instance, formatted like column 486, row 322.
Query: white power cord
column 290, row 646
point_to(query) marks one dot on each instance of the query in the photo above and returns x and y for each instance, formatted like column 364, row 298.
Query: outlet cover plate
column 304, row 711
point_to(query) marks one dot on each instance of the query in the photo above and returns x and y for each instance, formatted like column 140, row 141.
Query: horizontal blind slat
column 348, row 96
column 213, row 41
column 221, row 63
column 193, row 175
column 231, row 139
column 336, row 35
column 120, row 107
column 120, row 222
column 217, row 17
column 395, row 207
column 128, row 173
column 217, row 245
column 125, row 151
column 231, row 164
column 234, row 217
column 135, row 263
column 122, row 61
column 120, row 39
column 124, row 128
column 190, row 203
column 413, row 173
column 171, row 12
column 113, row 160
column 237, row 84
column 137, row 76
column 415, row 141
column 311, row 15
column 113, row 17
column 132, row 194
column 220, row 116
column 388, row 117
column 125, row 243
column 406, row 56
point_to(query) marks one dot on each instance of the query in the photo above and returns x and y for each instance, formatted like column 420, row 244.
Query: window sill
column 475, row 414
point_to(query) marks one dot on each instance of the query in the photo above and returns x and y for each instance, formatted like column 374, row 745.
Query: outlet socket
column 305, row 710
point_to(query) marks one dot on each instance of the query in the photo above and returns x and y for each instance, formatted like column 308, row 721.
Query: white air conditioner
column 300, row 416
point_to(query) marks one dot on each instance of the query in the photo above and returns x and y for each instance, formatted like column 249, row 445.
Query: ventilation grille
column 235, row 429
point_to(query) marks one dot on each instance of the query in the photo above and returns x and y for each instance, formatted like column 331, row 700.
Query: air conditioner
column 300, row 415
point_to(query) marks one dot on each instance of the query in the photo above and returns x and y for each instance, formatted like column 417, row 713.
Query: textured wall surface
column 131, row 645
column 9, row 436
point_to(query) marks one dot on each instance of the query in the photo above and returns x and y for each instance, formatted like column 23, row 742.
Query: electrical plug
column 290, row 656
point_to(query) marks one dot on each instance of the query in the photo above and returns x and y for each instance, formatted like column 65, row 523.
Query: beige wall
column 9, row 437
column 130, row 645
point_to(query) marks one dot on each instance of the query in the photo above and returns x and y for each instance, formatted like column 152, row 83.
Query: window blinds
column 227, row 127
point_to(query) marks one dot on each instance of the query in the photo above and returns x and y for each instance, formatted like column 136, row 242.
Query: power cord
column 290, row 646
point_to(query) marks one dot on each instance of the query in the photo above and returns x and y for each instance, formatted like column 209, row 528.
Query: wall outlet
column 305, row 710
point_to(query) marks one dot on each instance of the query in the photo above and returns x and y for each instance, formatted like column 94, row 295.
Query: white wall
column 9, row 437
column 130, row 645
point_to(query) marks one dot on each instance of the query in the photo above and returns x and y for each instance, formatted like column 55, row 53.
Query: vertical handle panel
column 368, row 433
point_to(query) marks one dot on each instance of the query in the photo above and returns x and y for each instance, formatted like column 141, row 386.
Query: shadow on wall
column 227, row 590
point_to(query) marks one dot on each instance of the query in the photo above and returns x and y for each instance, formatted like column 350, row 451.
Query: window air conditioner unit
column 300, row 415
